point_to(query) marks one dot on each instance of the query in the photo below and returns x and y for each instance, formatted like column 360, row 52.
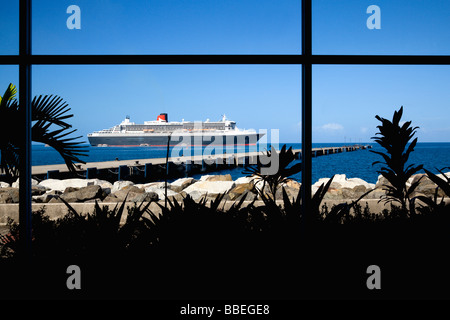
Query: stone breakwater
column 209, row 186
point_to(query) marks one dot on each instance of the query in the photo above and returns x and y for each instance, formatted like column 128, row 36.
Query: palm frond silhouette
column 47, row 111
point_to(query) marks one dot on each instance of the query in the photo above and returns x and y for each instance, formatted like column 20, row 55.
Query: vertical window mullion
column 306, row 108
column 25, row 135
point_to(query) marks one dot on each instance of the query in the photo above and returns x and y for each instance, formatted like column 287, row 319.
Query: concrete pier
column 154, row 168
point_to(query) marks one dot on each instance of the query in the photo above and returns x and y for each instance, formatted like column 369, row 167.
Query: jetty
column 153, row 169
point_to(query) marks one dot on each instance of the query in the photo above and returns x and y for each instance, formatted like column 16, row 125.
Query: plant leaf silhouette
column 46, row 111
column 443, row 184
column 394, row 139
column 281, row 175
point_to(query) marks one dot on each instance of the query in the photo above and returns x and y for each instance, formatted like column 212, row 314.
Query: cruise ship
column 184, row 133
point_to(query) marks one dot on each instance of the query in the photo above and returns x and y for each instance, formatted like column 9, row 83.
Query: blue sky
column 407, row 27
column 345, row 98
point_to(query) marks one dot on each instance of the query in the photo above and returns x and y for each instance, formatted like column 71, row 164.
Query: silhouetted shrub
column 394, row 138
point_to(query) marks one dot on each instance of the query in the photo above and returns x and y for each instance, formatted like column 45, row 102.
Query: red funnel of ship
column 162, row 117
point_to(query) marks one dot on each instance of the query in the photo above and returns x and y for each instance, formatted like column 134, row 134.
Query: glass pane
column 346, row 100
column 259, row 97
column 166, row 27
column 409, row 27
column 9, row 26
column 8, row 195
column 8, row 74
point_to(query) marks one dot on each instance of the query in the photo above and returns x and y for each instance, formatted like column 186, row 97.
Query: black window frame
column 25, row 60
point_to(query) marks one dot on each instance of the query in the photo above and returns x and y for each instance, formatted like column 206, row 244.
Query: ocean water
column 357, row 164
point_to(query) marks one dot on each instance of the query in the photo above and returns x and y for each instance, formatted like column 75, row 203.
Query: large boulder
column 105, row 185
column 83, row 194
column 132, row 188
column 194, row 194
column 343, row 194
column 132, row 194
column 314, row 189
column 9, row 195
column 146, row 197
column 359, row 191
column 16, row 183
column 156, row 185
column 249, row 196
column 48, row 196
column 427, row 187
column 89, row 192
column 45, row 198
column 447, row 174
column 121, row 195
column 245, row 180
column 354, row 193
column 61, row 185
column 4, row 184
column 54, row 192
column 292, row 189
column 111, row 198
column 160, row 192
column 341, row 181
column 38, row 190
column 70, row 189
column 75, row 183
column 259, row 184
column 119, row 185
column 320, row 182
column 239, row 190
column 333, row 194
column 382, row 182
column 376, row 193
column 355, row 182
column 210, row 188
column 415, row 178
column 292, row 184
column 218, row 177
column 182, row 183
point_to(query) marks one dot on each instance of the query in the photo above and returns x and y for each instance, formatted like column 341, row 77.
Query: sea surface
column 357, row 164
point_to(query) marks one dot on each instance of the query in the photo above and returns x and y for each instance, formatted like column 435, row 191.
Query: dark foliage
column 47, row 112
column 277, row 176
column 394, row 138
column 204, row 249
column 443, row 183
column 434, row 204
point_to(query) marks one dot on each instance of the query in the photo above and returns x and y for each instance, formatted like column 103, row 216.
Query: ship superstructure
column 156, row 133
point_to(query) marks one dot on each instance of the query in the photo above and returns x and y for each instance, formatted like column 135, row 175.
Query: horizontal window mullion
column 225, row 59
column 380, row 59
column 154, row 59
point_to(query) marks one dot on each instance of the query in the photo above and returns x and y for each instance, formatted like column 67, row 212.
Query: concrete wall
column 58, row 210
